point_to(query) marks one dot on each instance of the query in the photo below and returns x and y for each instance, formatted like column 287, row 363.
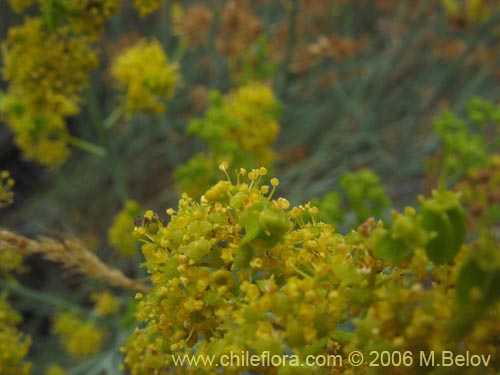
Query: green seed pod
column 273, row 223
column 294, row 334
column 388, row 248
column 450, row 230
column 238, row 200
column 198, row 249
column 442, row 247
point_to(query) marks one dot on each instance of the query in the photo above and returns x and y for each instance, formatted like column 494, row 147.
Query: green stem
column 14, row 287
column 179, row 53
column 102, row 126
column 113, row 117
column 343, row 337
column 86, row 146
column 165, row 23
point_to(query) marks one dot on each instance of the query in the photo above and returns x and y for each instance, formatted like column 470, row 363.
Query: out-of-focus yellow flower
column 239, row 128
column 88, row 17
column 79, row 338
column 469, row 12
column 14, row 345
column 254, row 107
column 39, row 132
column 10, row 260
column 83, row 17
column 120, row 232
column 19, row 6
column 46, row 71
column 145, row 76
column 55, row 370
column 146, row 7
column 105, row 303
column 6, row 184
column 49, row 68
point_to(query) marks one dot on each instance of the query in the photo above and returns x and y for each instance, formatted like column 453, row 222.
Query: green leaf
column 243, row 256
column 294, row 333
column 444, row 245
column 457, row 219
column 250, row 222
column 472, row 276
column 198, row 249
column 316, row 348
column 391, row 249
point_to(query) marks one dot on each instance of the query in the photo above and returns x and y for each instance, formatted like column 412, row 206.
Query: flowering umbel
column 6, row 193
column 46, row 70
column 241, row 271
column 14, row 345
column 80, row 339
column 145, row 77
column 239, row 128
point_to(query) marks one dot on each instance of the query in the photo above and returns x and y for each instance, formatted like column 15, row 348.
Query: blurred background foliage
column 359, row 85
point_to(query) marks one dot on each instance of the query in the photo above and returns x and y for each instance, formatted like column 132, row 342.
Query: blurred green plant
column 468, row 143
column 238, row 128
column 14, row 345
column 361, row 195
column 120, row 231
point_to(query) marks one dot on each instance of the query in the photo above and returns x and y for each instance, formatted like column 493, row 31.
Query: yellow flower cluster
column 241, row 271
column 145, row 77
column 6, row 193
column 105, row 303
column 120, row 233
column 55, row 370
column 10, row 260
column 19, row 6
column 146, row 7
column 467, row 12
column 79, row 338
column 87, row 17
column 254, row 109
column 46, row 71
column 46, row 62
column 239, row 128
column 405, row 315
column 14, row 345
column 84, row 17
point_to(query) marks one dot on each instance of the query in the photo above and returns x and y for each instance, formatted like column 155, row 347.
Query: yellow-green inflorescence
column 55, row 370
column 120, row 233
column 146, row 7
column 79, row 338
column 14, row 345
column 6, row 193
column 46, row 62
column 106, row 303
column 46, row 70
column 145, row 77
column 239, row 129
column 242, row 271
